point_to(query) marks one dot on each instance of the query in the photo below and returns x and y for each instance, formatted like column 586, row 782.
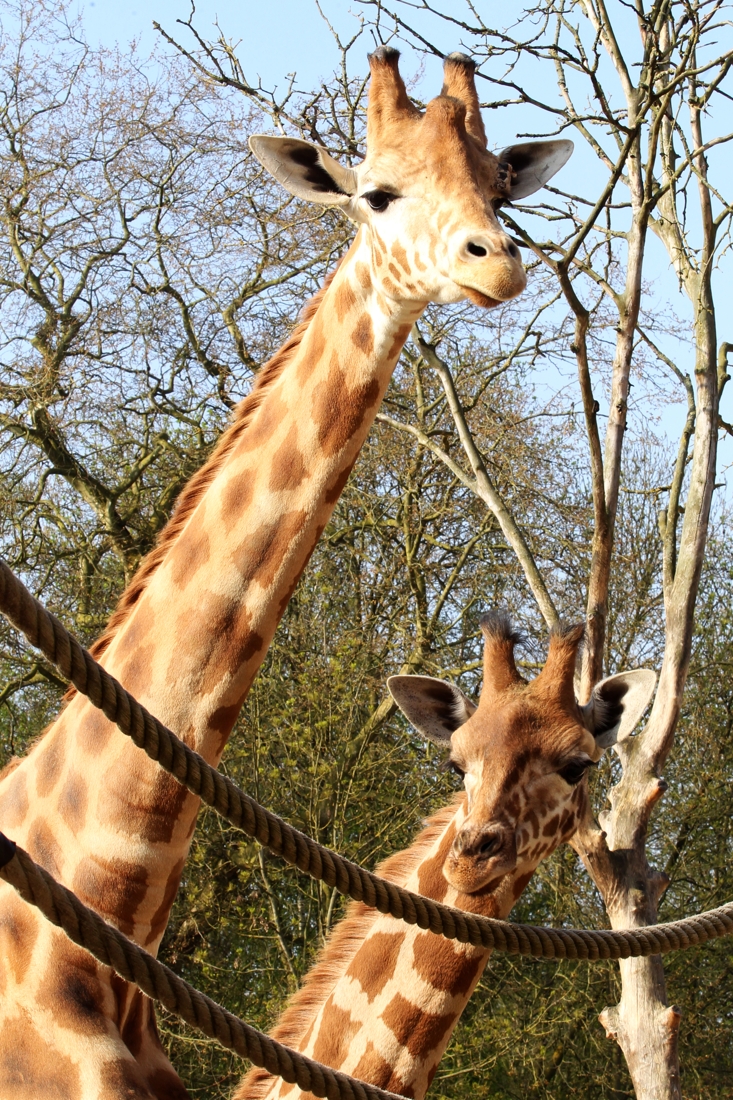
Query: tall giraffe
column 382, row 1001
column 193, row 627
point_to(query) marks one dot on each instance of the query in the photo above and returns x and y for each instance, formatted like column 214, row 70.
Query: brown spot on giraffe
column 262, row 555
column 364, row 275
column 236, row 497
column 73, row 993
column 338, row 409
column 373, row 1068
column 94, row 732
column 32, row 1067
column 400, row 256
column 192, row 554
column 568, row 823
column 232, row 642
column 222, row 721
column 375, row 964
column 160, row 917
column 50, row 763
column 521, row 884
column 419, row 1032
column 124, row 1078
column 14, row 801
column 112, row 886
column 299, row 572
column 73, row 801
column 131, row 1013
column 363, row 335
column 444, row 966
column 135, row 671
column 390, row 286
column 344, row 299
column 289, row 467
column 18, row 936
column 317, row 343
column 431, row 880
column 136, row 806
column 263, row 425
column 338, row 1029
column 44, row 848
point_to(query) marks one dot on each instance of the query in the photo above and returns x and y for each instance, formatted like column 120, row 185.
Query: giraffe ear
column 434, row 707
column 305, row 170
column 533, row 164
column 617, row 704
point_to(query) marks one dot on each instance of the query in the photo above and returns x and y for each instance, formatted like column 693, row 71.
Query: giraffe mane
column 195, row 488
column 339, row 949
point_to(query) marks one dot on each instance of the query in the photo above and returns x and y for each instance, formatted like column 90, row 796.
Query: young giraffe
column 194, row 625
column 383, row 999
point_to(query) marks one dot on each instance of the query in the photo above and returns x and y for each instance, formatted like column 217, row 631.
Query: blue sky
column 278, row 37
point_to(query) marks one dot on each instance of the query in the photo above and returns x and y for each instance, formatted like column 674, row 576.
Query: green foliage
column 101, row 431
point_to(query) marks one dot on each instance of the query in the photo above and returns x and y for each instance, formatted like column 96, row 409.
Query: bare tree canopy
column 554, row 457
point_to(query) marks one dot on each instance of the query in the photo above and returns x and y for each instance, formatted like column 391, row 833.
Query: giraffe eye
column 456, row 769
column 379, row 200
column 573, row 772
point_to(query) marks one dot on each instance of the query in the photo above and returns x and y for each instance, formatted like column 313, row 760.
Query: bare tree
column 645, row 126
column 147, row 268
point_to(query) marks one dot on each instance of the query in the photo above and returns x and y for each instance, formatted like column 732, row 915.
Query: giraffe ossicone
column 382, row 1001
column 194, row 624
column 426, row 243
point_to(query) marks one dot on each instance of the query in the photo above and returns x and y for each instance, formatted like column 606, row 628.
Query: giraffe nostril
column 489, row 845
column 475, row 249
column 513, row 250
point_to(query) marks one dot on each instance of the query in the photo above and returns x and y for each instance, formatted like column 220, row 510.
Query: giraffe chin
column 476, row 883
column 480, row 299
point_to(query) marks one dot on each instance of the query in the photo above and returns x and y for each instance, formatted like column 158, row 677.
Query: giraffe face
column 427, row 200
column 523, row 762
column 523, row 752
column 427, row 191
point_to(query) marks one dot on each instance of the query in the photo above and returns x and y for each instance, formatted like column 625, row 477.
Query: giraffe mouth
column 490, row 886
column 480, row 299
column 476, row 878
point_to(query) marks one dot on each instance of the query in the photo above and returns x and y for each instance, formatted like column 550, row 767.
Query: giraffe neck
column 85, row 802
column 384, row 997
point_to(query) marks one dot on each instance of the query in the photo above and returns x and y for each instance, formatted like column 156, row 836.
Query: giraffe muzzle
column 490, row 266
column 480, row 854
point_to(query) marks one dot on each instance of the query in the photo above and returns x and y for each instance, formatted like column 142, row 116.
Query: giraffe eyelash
column 574, row 770
column 450, row 765
column 378, row 199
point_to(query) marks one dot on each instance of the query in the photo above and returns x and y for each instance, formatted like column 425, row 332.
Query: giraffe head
column 427, row 190
column 523, row 752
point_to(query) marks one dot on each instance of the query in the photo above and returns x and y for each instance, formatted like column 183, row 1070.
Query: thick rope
column 43, row 630
column 111, row 948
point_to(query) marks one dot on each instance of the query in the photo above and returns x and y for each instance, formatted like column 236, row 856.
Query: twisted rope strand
column 108, row 945
column 43, row 630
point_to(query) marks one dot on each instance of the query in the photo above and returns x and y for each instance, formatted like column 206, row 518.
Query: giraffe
column 382, row 1000
column 193, row 626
